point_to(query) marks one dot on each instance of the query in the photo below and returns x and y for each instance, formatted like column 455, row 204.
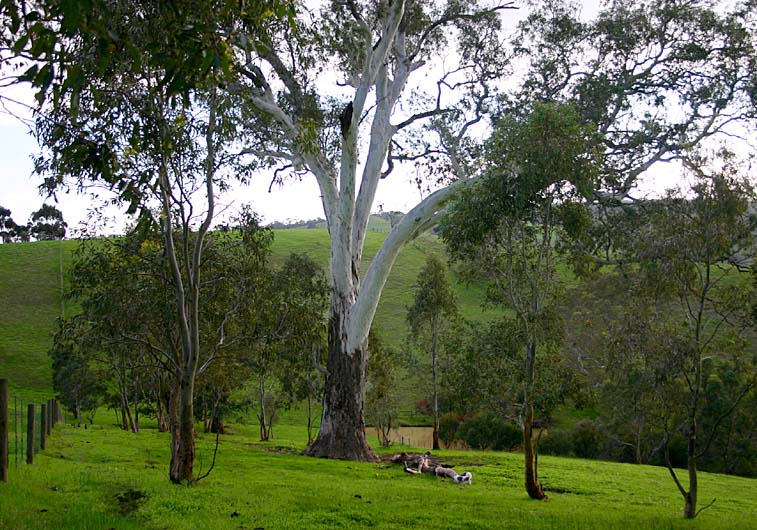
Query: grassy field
column 106, row 478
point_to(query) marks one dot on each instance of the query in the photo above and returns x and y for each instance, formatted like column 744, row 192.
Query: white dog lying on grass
column 440, row 471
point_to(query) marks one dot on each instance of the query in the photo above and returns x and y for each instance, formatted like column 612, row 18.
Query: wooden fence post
column 42, row 426
column 4, row 430
column 49, row 423
column 30, row 434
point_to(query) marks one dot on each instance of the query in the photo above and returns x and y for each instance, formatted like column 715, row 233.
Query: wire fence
column 24, row 429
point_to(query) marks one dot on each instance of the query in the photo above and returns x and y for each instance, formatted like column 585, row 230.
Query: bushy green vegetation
column 103, row 477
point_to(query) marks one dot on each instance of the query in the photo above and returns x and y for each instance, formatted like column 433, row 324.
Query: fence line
column 26, row 433
column 4, row 430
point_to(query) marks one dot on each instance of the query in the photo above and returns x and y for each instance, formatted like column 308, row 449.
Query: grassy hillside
column 30, row 293
column 105, row 478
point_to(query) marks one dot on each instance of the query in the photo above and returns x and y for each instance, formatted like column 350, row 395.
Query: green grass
column 106, row 478
column 30, row 295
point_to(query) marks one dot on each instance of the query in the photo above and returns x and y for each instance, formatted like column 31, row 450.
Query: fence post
column 30, row 434
column 15, row 430
column 49, row 419
column 42, row 426
column 4, row 430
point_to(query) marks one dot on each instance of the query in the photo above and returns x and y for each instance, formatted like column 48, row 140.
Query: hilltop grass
column 106, row 478
column 30, row 294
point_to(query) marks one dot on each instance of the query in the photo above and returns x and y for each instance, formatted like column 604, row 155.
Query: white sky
column 295, row 200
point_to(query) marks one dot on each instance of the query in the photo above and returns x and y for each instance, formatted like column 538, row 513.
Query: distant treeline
column 390, row 217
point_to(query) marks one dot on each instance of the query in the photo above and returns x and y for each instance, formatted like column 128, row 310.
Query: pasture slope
column 30, row 297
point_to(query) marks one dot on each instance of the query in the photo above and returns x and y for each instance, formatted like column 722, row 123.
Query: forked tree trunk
column 531, row 473
column 310, row 419
column 183, row 436
column 690, row 498
column 342, row 433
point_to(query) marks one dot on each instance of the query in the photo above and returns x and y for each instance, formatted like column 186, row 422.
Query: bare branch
column 453, row 17
column 422, row 115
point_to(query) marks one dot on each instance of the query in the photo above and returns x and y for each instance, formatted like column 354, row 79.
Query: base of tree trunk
column 342, row 432
column 356, row 450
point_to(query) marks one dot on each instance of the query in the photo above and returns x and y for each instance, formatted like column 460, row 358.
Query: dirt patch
column 129, row 501
column 282, row 450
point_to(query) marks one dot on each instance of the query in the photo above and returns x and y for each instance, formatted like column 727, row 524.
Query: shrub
column 449, row 423
column 587, row 439
column 487, row 431
column 508, row 437
column 557, row 443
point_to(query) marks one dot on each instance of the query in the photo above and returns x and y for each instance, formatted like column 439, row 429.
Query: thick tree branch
column 411, row 225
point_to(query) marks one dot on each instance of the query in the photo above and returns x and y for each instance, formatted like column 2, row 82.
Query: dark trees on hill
column 47, row 224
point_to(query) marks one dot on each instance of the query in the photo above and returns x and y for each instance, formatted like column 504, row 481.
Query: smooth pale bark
column 384, row 72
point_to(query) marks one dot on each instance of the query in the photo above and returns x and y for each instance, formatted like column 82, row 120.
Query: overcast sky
column 295, row 200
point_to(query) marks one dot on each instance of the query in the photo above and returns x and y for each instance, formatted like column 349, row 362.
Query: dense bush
column 588, row 439
column 489, row 432
column 557, row 443
column 449, row 423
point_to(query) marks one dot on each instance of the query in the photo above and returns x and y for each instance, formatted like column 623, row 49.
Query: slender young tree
column 694, row 247
column 434, row 305
column 538, row 167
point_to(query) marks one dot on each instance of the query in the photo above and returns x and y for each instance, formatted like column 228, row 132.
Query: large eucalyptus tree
column 412, row 80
